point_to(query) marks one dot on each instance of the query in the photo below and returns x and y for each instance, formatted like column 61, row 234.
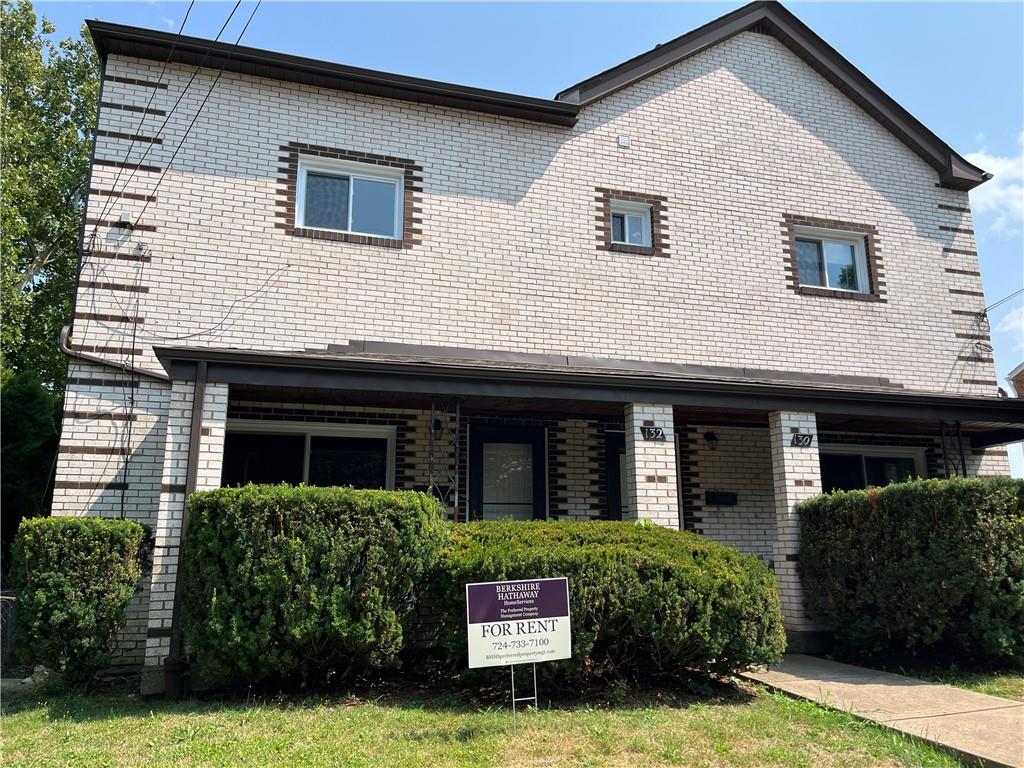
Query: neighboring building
column 1016, row 380
column 696, row 288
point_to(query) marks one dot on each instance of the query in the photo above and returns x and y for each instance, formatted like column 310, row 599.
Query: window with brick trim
column 631, row 222
column 354, row 198
column 833, row 258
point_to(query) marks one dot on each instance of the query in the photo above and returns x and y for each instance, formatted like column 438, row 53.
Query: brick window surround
column 288, row 188
column 876, row 277
column 659, row 221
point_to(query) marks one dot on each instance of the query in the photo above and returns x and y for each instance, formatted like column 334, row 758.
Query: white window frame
column 846, row 237
column 880, row 451
column 629, row 208
column 329, row 167
column 385, row 432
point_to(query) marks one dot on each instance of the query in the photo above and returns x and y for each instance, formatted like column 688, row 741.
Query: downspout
column 62, row 343
column 175, row 665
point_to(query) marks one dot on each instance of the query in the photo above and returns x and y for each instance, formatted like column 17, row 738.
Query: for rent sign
column 518, row 622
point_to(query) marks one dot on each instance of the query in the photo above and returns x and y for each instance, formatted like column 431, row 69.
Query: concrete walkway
column 976, row 725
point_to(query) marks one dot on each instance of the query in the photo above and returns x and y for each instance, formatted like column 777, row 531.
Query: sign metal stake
column 534, row 699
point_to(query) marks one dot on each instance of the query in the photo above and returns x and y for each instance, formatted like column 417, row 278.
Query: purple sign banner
column 518, row 622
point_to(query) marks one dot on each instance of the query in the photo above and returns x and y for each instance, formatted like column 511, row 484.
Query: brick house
column 696, row 288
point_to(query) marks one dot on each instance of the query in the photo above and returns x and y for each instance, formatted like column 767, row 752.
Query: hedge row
column 74, row 576
column 286, row 582
column 928, row 567
column 298, row 582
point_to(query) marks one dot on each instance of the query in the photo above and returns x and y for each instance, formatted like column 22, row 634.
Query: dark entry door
column 506, row 473
column 615, row 472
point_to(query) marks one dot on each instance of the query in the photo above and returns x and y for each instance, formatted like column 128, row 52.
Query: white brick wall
column 741, row 463
column 734, row 137
column 796, row 476
column 651, row 472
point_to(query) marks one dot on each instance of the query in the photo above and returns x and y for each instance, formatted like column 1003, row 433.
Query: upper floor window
column 631, row 223
column 831, row 259
column 353, row 198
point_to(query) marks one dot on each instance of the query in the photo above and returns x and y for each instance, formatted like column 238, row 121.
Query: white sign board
column 518, row 622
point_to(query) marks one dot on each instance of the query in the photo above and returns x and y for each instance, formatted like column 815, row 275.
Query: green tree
column 28, row 447
column 49, row 94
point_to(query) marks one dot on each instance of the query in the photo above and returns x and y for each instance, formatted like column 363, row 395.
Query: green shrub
column 75, row 576
column 920, row 568
column 643, row 599
column 289, row 582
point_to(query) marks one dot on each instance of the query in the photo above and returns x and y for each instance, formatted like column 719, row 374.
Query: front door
column 506, row 473
column 615, row 472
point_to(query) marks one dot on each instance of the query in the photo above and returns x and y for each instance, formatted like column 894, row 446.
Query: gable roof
column 770, row 17
column 765, row 16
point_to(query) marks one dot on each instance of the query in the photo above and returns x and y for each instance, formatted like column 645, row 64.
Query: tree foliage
column 49, row 97
column 30, row 414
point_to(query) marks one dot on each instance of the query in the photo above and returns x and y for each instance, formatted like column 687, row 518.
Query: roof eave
column 154, row 44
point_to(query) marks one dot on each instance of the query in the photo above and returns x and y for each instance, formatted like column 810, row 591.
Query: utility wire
column 170, row 113
column 142, row 120
column 184, row 138
column 1003, row 300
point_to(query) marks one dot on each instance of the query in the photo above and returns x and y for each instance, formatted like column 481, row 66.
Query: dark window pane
column 373, row 207
column 883, row 470
column 841, row 264
column 357, row 461
column 618, row 228
column 841, row 472
column 808, row 261
column 251, row 458
column 326, row 204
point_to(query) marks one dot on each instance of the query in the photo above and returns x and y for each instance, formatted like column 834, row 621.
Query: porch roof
column 438, row 371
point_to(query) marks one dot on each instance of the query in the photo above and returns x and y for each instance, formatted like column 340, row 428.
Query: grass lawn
column 735, row 727
column 1009, row 685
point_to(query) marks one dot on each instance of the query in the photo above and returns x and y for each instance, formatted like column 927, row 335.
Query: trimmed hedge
column 287, row 582
column 928, row 567
column 75, row 576
column 643, row 599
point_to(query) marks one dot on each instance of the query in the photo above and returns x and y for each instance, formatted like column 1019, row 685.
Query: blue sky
column 958, row 67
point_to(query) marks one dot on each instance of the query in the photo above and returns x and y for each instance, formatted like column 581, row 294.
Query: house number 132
column 652, row 433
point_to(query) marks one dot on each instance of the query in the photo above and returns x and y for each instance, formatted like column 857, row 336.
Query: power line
column 184, row 138
column 170, row 113
column 1003, row 300
column 142, row 120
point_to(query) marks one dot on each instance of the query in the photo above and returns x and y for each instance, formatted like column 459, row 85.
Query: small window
column 631, row 224
column 349, row 197
column 832, row 259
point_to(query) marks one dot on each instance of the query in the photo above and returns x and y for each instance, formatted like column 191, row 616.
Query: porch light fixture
column 711, row 439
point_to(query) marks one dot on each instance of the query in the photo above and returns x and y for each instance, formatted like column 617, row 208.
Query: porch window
column 848, row 468
column 831, row 259
column 320, row 454
column 349, row 197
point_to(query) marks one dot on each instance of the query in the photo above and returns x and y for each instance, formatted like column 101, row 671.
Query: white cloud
column 1002, row 196
column 1012, row 323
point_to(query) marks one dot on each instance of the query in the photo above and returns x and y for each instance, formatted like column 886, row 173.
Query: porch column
column 796, row 476
column 167, row 534
column 651, row 464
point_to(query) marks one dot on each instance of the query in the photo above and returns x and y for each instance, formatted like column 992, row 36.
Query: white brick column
column 651, row 465
column 796, row 476
column 172, row 505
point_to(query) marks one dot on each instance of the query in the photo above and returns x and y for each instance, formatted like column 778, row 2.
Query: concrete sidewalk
column 976, row 725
